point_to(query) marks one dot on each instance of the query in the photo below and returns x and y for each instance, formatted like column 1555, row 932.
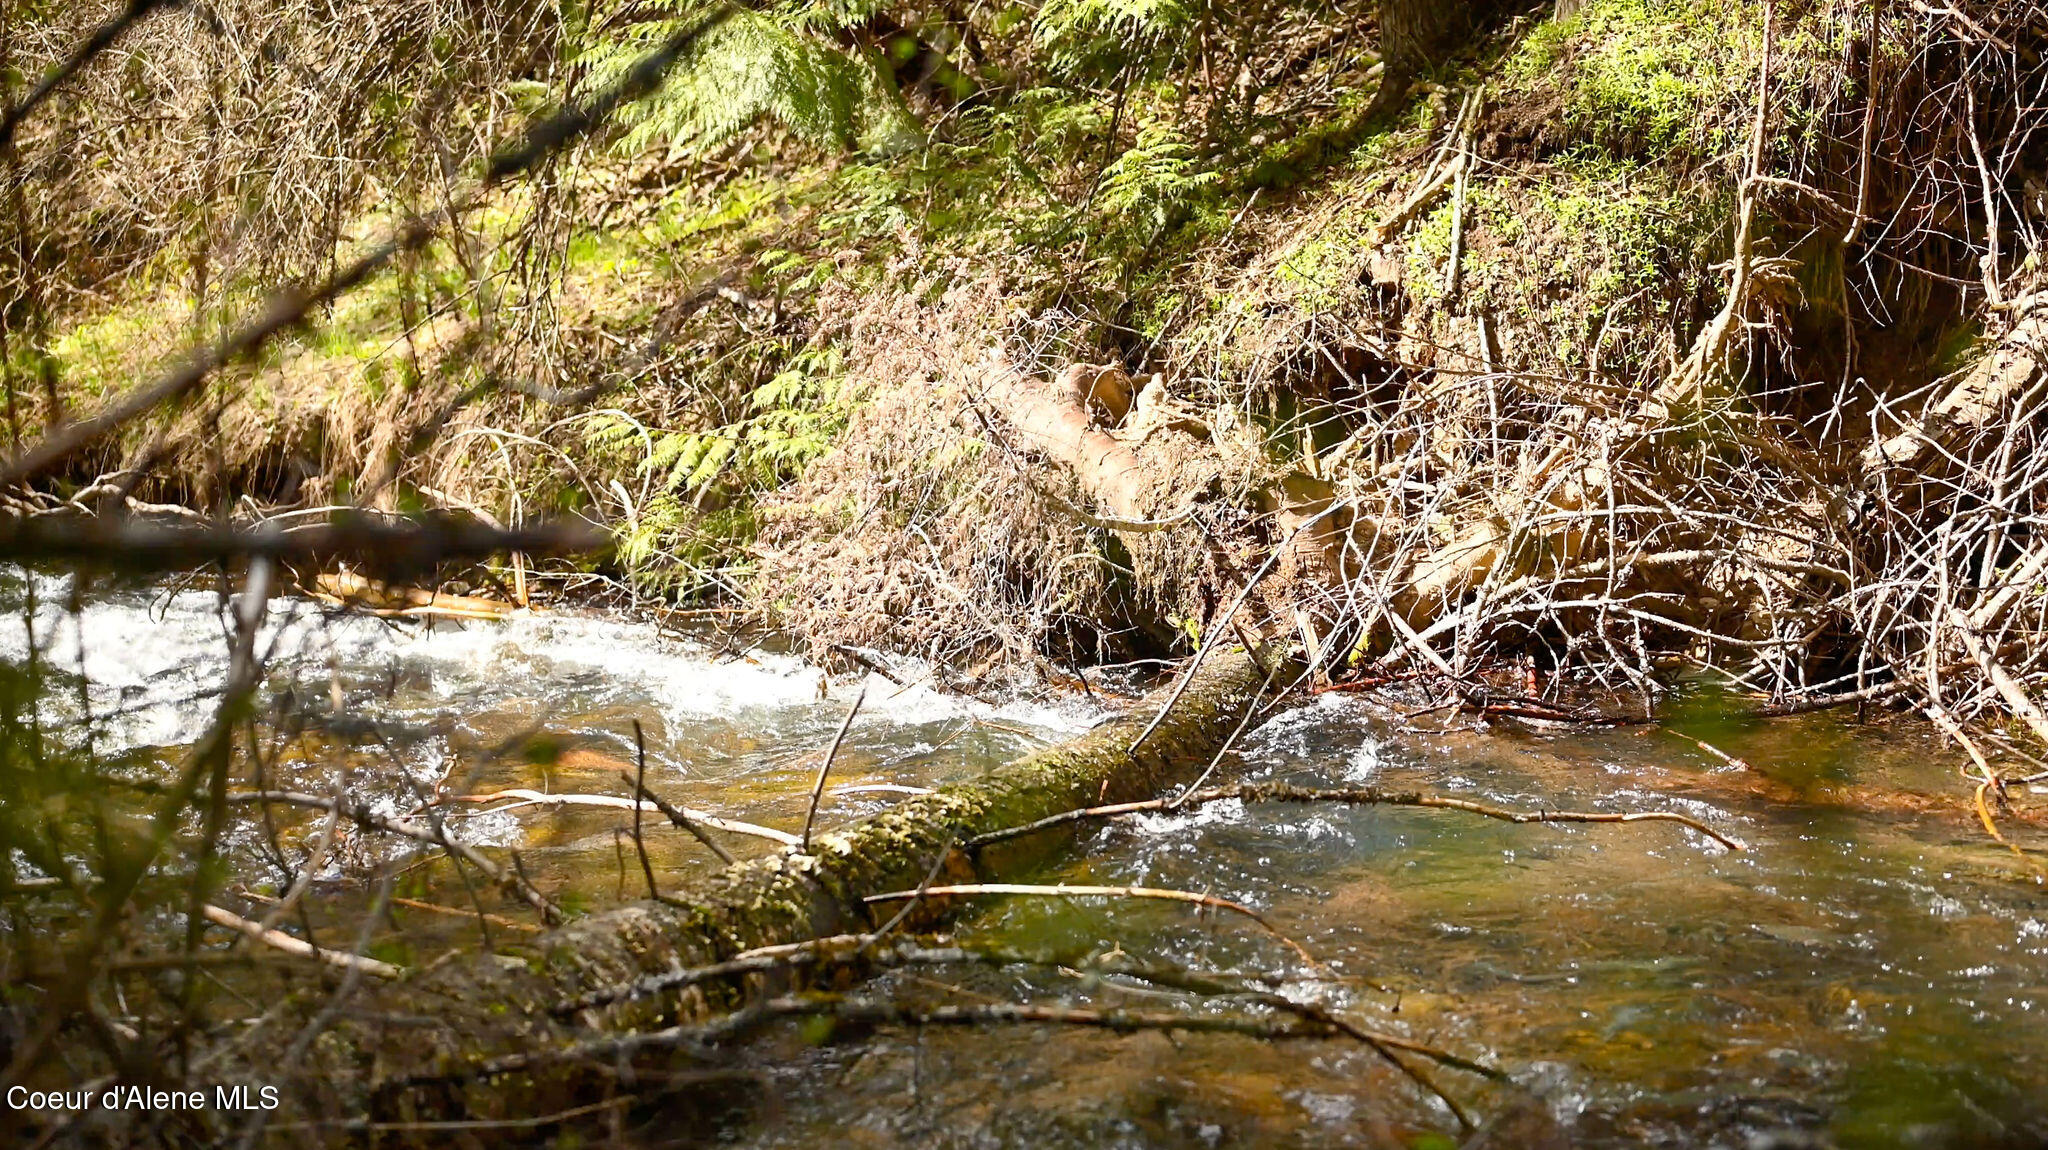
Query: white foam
column 150, row 661
column 153, row 658
column 920, row 703
column 1208, row 815
column 531, row 650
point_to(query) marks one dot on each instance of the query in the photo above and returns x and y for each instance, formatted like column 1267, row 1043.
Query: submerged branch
column 1143, row 892
column 279, row 940
column 681, row 816
column 1285, row 793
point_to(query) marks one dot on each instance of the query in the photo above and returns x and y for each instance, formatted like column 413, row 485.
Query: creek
column 1863, row 975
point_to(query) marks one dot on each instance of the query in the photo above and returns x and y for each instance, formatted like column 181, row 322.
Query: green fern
column 685, row 534
column 778, row 63
column 1102, row 36
column 1154, row 181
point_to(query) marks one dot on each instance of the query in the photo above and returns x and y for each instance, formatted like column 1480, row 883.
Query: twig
column 1433, row 181
column 640, row 788
column 1231, row 740
column 924, row 887
column 1702, row 744
column 753, row 961
column 825, row 768
column 1688, row 384
column 1456, row 272
column 1939, row 716
column 1858, row 217
column 841, row 948
column 315, row 858
column 497, row 920
column 681, row 818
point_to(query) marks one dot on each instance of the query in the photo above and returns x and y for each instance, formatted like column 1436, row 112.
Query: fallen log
column 2009, row 366
column 459, row 1017
column 369, row 596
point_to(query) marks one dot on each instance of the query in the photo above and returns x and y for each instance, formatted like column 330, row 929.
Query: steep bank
column 1599, row 352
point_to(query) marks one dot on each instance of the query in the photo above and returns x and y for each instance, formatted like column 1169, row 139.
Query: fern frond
column 1077, row 35
column 1151, row 182
column 777, row 64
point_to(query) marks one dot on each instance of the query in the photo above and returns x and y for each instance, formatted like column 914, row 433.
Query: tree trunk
column 1414, row 35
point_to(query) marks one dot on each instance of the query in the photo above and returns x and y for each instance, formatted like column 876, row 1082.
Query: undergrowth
column 1195, row 184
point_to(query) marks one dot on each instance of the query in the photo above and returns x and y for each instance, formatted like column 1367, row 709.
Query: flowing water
column 1872, row 972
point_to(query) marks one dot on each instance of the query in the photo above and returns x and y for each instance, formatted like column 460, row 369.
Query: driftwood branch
column 279, row 940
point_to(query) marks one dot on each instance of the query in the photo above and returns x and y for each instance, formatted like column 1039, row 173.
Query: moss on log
column 447, row 1020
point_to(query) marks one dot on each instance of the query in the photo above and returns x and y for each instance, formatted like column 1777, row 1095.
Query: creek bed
column 1865, row 975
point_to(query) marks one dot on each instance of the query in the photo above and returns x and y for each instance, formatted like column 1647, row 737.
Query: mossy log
column 413, row 1047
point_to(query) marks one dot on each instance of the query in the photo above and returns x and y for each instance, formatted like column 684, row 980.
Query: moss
column 104, row 352
column 1323, row 270
column 1647, row 77
column 1959, row 348
column 1598, row 245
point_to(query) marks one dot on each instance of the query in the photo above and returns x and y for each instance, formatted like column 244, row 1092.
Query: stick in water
column 640, row 788
column 1367, row 796
column 818, row 788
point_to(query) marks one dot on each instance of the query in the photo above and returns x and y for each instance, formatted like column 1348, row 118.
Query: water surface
column 1872, row 972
